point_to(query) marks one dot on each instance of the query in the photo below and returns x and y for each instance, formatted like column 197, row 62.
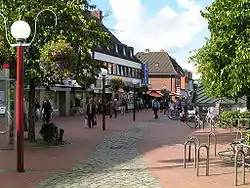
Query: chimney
column 97, row 14
column 147, row 50
column 161, row 50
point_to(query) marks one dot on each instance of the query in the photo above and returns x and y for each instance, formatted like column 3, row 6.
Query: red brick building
column 164, row 71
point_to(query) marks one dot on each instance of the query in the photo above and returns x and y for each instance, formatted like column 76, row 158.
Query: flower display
column 57, row 58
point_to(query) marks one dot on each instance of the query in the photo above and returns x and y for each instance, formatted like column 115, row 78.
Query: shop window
column 114, row 69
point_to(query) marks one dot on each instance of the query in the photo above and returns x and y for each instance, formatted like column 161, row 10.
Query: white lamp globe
column 20, row 30
column 104, row 72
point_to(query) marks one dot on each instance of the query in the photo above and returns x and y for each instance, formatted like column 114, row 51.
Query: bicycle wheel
column 192, row 122
column 171, row 114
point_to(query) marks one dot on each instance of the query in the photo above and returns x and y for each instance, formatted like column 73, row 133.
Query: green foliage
column 4, row 53
column 127, row 88
column 235, row 118
column 143, row 89
column 165, row 92
column 75, row 24
column 49, row 132
column 58, row 58
column 224, row 59
column 116, row 84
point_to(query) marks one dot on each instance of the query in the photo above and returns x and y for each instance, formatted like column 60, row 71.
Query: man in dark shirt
column 47, row 110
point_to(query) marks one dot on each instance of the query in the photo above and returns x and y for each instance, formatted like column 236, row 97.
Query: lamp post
column 134, row 83
column 164, row 89
column 104, row 73
column 20, row 30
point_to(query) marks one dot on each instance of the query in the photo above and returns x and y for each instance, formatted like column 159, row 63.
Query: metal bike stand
column 239, row 133
column 207, row 159
column 190, row 142
column 215, row 142
column 238, row 153
column 194, row 138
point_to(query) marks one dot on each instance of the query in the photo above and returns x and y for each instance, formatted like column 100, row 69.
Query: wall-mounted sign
column 145, row 74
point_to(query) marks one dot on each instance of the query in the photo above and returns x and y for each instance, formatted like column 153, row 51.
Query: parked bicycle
column 194, row 119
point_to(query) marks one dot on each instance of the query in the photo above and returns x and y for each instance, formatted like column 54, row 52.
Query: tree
column 75, row 26
column 116, row 84
column 224, row 59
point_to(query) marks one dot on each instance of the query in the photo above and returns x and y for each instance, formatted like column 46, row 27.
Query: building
column 164, row 72
column 118, row 58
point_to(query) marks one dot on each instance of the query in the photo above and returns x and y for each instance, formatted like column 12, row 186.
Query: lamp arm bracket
column 36, row 19
column 5, row 27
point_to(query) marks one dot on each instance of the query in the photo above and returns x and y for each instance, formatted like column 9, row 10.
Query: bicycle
column 193, row 119
column 173, row 114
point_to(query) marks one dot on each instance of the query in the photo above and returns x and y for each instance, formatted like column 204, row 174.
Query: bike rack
column 196, row 139
column 239, row 133
column 237, row 154
column 198, row 159
column 215, row 142
column 190, row 142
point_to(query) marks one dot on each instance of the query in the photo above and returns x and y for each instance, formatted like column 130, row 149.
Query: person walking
column 78, row 105
column 113, row 108
column 91, row 114
column 37, row 109
column 47, row 111
column 123, row 106
column 155, row 107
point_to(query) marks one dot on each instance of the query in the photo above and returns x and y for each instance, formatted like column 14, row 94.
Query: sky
column 173, row 25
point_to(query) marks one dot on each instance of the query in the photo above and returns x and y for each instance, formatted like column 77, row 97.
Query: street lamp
column 164, row 89
column 20, row 30
column 104, row 73
column 134, row 83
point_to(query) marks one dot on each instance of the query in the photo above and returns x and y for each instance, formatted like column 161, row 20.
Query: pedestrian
column 123, row 106
column 37, row 109
column 155, row 107
column 91, row 114
column 78, row 105
column 113, row 108
column 47, row 111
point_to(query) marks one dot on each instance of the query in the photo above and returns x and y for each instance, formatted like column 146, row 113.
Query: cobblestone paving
column 116, row 163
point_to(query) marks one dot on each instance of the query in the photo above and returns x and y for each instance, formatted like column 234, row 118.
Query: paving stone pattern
column 116, row 163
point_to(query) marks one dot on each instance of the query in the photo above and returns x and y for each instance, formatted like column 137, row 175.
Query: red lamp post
column 20, row 30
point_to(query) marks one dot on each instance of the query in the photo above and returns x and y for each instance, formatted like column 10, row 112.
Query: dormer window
column 131, row 52
column 117, row 48
column 124, row 50
column 156, row 64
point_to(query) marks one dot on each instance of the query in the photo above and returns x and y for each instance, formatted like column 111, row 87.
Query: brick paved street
column 145, row 153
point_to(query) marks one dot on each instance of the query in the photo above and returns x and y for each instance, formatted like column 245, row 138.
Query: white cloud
column 171, row 30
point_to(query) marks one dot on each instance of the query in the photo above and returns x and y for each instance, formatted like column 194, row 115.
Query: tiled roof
column 160, row 63
column 200, row 98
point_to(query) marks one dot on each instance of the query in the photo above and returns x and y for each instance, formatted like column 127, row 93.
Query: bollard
column 215, row 142
column 198, row 159
column 237, row 154
column 190, row 142
column 239, row 133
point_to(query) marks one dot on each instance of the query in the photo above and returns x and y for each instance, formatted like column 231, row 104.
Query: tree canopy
column 224, row 60
column 75, row 27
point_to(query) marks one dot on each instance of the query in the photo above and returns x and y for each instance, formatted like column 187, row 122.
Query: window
column 117, row 48
column 122, row 70
column 133, row 72
column 118, row 72
column 156, row 64
column 124, row 51
column 110, row 66
column 131, row 52
column 114, row 69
